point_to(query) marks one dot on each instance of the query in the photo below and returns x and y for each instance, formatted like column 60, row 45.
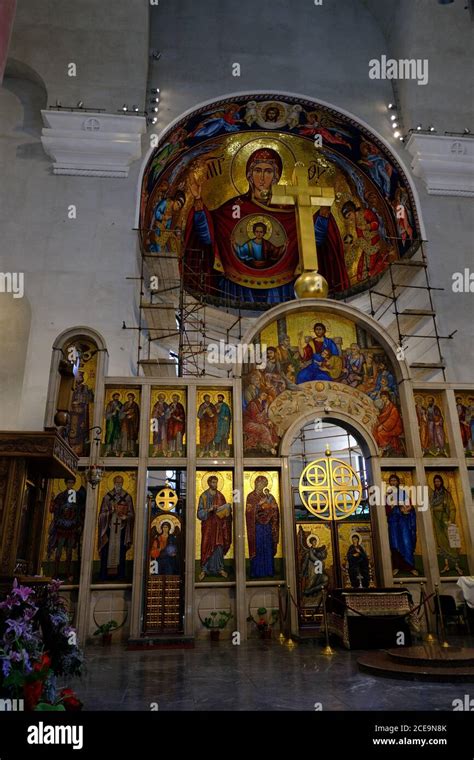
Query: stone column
column 239, row 516
column 140, row 530
column 288, row 540
column 190, row 512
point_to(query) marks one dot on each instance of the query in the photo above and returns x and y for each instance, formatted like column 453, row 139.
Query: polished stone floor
column 253, row 676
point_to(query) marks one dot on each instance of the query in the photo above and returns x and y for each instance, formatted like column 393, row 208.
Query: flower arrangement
column 265, row 625
column 37, row 644
column 59, row 636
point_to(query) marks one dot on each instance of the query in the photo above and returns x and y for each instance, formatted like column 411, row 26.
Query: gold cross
column 306, row 198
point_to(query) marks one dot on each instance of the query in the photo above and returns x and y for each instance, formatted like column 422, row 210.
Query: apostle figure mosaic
column 465, row 410
column 214, row 423
column 168, row 423
column 214, row 555
column 121, row 422
column 431, row 424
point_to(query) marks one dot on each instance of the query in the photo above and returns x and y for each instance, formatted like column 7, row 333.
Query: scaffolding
column 401, row 280
column 182, row 322
column 175, row 319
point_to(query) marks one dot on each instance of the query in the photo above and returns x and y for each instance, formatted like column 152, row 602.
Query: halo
column 84, row 372
column 355, row 533
column 239, row 161
column 206, row 392
column 263, row 107
column 220, row 480
column 171, row 519
column 325, row 322
column 256, row 475
column 400, row 478
column 110, row 480
column 253, row 220
column 159, row 392
column 313, row 535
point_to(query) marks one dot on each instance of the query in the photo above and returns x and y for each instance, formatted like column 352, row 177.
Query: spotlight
column 396, row 134
column 432, row 129
column 124, row 107
column 393, row 117
column 402, row 139
column 155, row 109
column 156, row 55
column 154, row 120
column 136, row 109
column 467, row 131
column 80, row 104
column 155, row 90
column 419, row 127
column 394, row 125
column 390, row 106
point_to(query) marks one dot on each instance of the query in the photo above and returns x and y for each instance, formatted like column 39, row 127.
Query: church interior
column 236, row 384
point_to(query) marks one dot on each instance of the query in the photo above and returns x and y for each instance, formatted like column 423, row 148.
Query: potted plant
column 216, row 623
column 263, row 623
column 104, row 631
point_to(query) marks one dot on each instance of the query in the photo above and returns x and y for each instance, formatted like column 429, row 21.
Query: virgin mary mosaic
column 207, row 198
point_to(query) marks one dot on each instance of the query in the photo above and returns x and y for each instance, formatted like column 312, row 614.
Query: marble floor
column 256, row 675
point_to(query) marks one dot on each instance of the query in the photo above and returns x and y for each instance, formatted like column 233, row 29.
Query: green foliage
column 217, row 620
column 106, row 627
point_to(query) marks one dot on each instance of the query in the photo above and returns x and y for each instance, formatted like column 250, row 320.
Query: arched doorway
column 330, row 473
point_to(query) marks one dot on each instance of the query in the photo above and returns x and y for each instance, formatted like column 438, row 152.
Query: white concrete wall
column 75, row 270
column 107, row 40
column 444, row 35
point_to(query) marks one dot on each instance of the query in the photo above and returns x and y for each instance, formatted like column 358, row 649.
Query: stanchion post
column 328, row 650
column 444, row 643
column 429, row 638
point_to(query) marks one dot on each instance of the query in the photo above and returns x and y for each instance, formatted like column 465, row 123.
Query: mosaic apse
column 206, row 196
